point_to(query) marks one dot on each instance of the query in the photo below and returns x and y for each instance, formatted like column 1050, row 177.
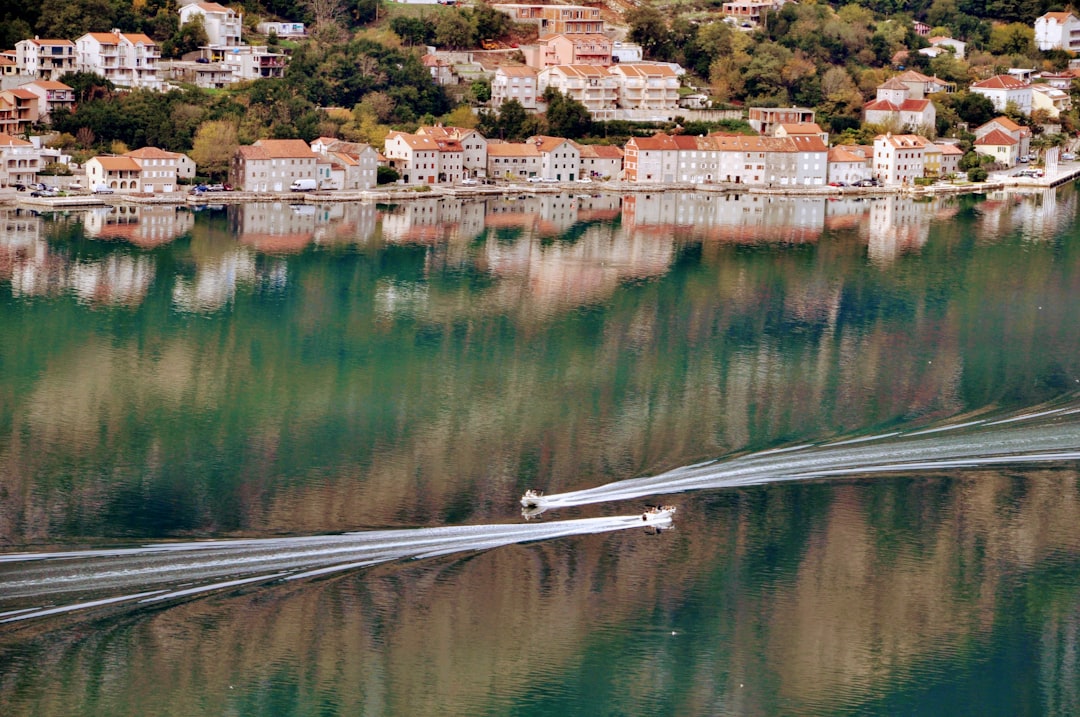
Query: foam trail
column 157, row 573
column 1031, row 438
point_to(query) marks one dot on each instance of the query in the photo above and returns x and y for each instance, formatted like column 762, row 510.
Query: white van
column 304, row 185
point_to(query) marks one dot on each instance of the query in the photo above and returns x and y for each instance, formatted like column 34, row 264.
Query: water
column 866, row 413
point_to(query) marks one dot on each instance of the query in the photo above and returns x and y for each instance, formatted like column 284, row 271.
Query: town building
column 848, row 165
column 128, row 60
column 1004, row 149
column 207, row 75
column 358, row 162
column 473, row 146
column 801, row 129
column 247, row 62
column 223, row 25
column 440, row 68
column 1002, row 90
column 1020, row 133
column 942, row 160
column 8, row 67
column 20, row 161
column 647, row 88
column 921, row 86
column 1058, row 31
column 283, row 29
column 159, row 169
column 560, row 158
column 899, row 159
column 753, row 12
column 1050, row 99
column 271, row 165
column 600, row 161
column 18, row 110
column 568, row 49
column 592, row 86
column 652, row 160
column 958, row 47
column 513, row 160
column 896, row 109
column 626, row 52
column 515, row 83
column 52, row 95
column 120, row 174
column 556, row 19
column 765, row 119
column 44, row 59
column 424, row 160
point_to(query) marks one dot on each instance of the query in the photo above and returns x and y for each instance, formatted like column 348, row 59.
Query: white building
column 424, row 160
column 592, row 86
column 627, row 52
column 958, row 47
column 898, row 159
column 52, row 95
column 515, row 83
column 44, row 59
column 159, row 168
column 848, row 165
column 513, row 160
column 223, row 25
column 282, row 29
column 651, row 159
column 647, row 87
column 126, row 59
column 894, row 107
column 559, row 158
column 1058, row 31
column 271, row 165
column 358, row 162
column 1003, row 89
column 1018, row 132
column 473, row 146
column 247, row 62
column 20, row 161
column 600, row 161
column 1051, row 99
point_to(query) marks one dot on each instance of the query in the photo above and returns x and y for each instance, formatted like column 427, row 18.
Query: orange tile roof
column 287, row 148
column 118, row 164
column 6, row 140
column 51, row 85
column 996, row 138
column 660, row 142
column 1000, row 82
column 211, row 7
column 22, row 94
column 523, row 71
column 512, row 149
column 841, row 153
column 39, row 41
column 599, row 151
column 1058, row 17
column 151, row 153
column 547, row 144
column 803, row 128
column 1004, row 122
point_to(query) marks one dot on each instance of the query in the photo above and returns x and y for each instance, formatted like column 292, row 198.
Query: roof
column 950, row 149
column 903, row 141
column 1000, row 82
column 997, row 138
column 151, row 153
column 523, row 71
column 208, row 7
column 1058, row 17
column 581, row 70
column 345, row 159
column 415, row 141
column 435, row 61
column 802, row 128
column 643, row 69
column 809, row 143
column 39, row 41
column 50, row 85
column 117, row 164
column 112, row 38
column 905, row 106
column 1004, row 122
column 6, row 60
column 841, row 153
column 512, row 149
column 659, row 141
column 893, row 83
column 599, row 151
column 6, row 140
column 548, row 144
column 22, row 94
column 290, row 148
column 913, row 76
column 576, row 38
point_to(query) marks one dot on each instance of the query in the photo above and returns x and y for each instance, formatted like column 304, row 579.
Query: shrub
column 977, row 174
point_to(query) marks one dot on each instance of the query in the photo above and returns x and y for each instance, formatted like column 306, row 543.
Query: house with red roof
column 44, row 59
column 651, row 159
column 848, row 165
column 513, row 160
column 20, row 161
column 18, row 110
column 895, row 108
column 425, row 160
column 1058, row 31
column 51, row 95
column 600, row 161
column 1004, row 149
column 591, row 85
column 1020, row 133
column 899, row 159
column 223, row 25
column 271, row 165
column 126, row 59
column 1003, row 90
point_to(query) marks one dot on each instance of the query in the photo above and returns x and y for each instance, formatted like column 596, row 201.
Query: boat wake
column 1051, row 435
column 175, row 571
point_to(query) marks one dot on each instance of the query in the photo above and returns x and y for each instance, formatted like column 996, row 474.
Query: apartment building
column 556, row 19
column 593, row 86
column 271, row 165
column 127, row 60
column 223, row 25
column 515, row 83
column 44, row 59
column 52, row 95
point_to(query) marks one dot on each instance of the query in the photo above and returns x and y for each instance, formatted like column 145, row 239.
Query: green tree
column 481, row 90
column 489, row 22
column 214, row 146
column 977, row 174
column 412, row 30
column 648, row 27
column 386, row 175
column 453, row 30
column 73, row 18
column 1012, row 39
column 189, row 37
column 566, row 117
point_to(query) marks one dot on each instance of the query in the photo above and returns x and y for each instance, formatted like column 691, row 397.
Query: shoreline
column 89, row 201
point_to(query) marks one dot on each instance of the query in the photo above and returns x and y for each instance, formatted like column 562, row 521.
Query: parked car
column 837, row 184
column 104, row 189
column 535, row 180
column 46, row 192
column 304, row 185
column 470, row 182
column 215, row 188
column 1025, row 159
column 549, row 179
column 1068, row 156
column 867, row 182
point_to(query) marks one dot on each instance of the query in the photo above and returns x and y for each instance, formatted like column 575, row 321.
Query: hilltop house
column 223, row 25
column 515, row 83
column 1058, row 31
column 44, row 59
column 895, row 108
column 1003, row 89
column 51, row 95
column 126, row 59
column 1021, row 134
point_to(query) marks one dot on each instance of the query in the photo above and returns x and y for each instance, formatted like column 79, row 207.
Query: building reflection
column 143, row 226
column 215, row 281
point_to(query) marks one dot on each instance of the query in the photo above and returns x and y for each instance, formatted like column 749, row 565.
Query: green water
column 271, row 370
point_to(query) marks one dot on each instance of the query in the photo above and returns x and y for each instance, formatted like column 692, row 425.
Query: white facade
column 424, row 160
column 223, row 26
column 44, row 59
column 282, row 29
column 20, row 161
column 559, row 158
column 1058, row 31
column 271, row 165
column 125, row 59
column 1003, row 89
column 590, row 85
column 515, row 83
column 898, row 159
